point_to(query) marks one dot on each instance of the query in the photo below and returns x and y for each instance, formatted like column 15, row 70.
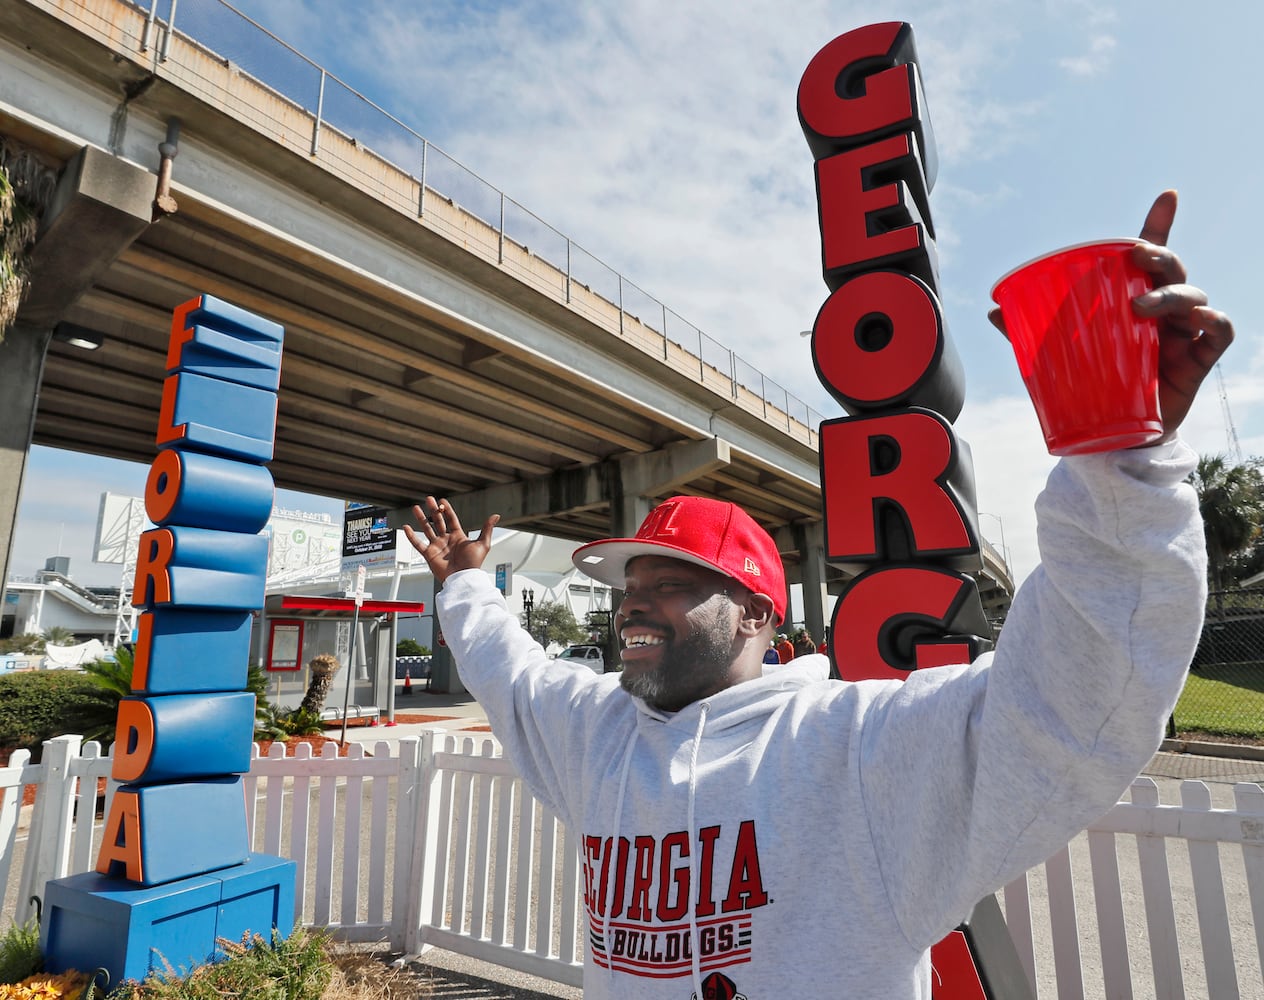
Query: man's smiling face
column 677, row 625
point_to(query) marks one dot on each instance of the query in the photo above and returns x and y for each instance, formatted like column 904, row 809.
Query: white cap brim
column 607, row 561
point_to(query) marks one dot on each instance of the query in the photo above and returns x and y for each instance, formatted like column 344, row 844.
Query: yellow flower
column 45, row 986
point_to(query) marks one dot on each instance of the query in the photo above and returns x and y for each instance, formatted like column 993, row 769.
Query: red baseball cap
column 711, row 533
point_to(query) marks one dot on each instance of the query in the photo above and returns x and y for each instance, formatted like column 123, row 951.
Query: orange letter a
column 121, row 843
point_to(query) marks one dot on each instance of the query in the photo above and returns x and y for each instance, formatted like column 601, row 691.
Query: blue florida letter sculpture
column 175, row 872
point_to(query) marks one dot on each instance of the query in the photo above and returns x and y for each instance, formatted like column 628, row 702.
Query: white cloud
column 664, row 139
column 1010, row 469
column 1233, row 397
column 61, row 496
column 1093, row 62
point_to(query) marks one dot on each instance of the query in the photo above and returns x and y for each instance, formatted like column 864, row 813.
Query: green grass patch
column 1224, row 699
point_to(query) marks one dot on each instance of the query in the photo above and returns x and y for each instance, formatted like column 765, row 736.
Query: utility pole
column 1231, row 432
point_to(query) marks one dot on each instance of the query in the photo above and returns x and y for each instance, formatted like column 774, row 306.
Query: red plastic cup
column 1090, row 364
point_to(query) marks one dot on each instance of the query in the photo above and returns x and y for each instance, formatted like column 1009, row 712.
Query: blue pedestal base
column 96, row 921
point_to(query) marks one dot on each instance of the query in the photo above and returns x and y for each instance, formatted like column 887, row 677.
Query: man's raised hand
column 1192, row 335
column 442, row 541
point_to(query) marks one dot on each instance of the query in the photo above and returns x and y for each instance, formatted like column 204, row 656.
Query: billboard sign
column 367, row 540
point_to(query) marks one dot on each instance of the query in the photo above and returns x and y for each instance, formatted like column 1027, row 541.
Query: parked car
column 590, row 656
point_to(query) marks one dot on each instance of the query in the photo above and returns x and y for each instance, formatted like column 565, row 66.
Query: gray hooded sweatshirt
column 797, row 837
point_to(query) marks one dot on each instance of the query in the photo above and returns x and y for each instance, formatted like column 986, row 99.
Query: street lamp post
column 528, row 605
column 1004, row 547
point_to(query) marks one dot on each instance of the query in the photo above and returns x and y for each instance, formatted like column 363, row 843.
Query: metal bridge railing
column 220, row 28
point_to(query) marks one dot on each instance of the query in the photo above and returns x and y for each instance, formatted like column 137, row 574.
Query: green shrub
column 59, row 635
column 302, row 722
column 37, row 705
column 20, row 952
column 29, row 643
column 277, row 724
column 411, row 647
column 268, row 723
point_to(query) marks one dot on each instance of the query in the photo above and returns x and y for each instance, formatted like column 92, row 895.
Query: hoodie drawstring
column 695, row 944
column 613, row 856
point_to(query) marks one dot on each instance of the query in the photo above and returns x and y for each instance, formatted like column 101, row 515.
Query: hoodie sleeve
column 530, row 700
column 972, row 775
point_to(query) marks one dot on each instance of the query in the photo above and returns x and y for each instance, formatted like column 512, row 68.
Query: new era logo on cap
column 711, row 533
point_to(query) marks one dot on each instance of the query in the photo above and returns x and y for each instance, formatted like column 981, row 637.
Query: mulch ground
column 291, row 743
column 317, row 742
column 414, row 719
column 1199, row 736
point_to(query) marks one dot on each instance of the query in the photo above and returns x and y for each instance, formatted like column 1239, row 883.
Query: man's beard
column 688, row 668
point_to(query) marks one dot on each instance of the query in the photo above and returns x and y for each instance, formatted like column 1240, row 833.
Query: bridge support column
column 809, row 539
column 444, row 676
column 101, row 204
column 21, row 367
column 640, row 478
column 628, row 485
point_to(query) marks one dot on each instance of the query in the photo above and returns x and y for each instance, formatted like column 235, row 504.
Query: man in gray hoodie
column 758, row 836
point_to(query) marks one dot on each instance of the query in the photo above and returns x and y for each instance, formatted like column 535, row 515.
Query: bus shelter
column 297, row 627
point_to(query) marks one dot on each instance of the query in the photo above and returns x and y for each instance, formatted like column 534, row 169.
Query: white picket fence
column 434, row 842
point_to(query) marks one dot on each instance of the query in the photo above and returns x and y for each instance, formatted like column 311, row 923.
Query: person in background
column 803, row 644
column 785, row 648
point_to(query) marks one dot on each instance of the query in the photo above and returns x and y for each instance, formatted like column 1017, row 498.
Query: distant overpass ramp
column 431, row 346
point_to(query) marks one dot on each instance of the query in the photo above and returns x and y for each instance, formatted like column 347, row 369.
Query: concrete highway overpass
column 438, row 339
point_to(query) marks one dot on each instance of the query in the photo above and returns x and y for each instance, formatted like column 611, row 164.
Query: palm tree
column 322, row 667
column 1231, row 500
column 113, row 677
column 59, row 635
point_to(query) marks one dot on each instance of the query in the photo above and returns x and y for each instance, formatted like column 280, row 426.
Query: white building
column 52, row 600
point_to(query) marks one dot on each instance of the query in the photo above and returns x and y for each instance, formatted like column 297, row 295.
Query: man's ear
column 757, row 614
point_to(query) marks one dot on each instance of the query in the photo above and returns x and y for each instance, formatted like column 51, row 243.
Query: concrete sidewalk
column 1210, row 762
column 450, row 712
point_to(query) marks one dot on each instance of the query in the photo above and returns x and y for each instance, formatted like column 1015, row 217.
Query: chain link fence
column 1223, row 698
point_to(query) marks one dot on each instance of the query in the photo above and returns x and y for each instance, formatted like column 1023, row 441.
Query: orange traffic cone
column 408, row 681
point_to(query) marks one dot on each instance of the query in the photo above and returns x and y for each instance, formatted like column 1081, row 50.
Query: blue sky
column 662, row 137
